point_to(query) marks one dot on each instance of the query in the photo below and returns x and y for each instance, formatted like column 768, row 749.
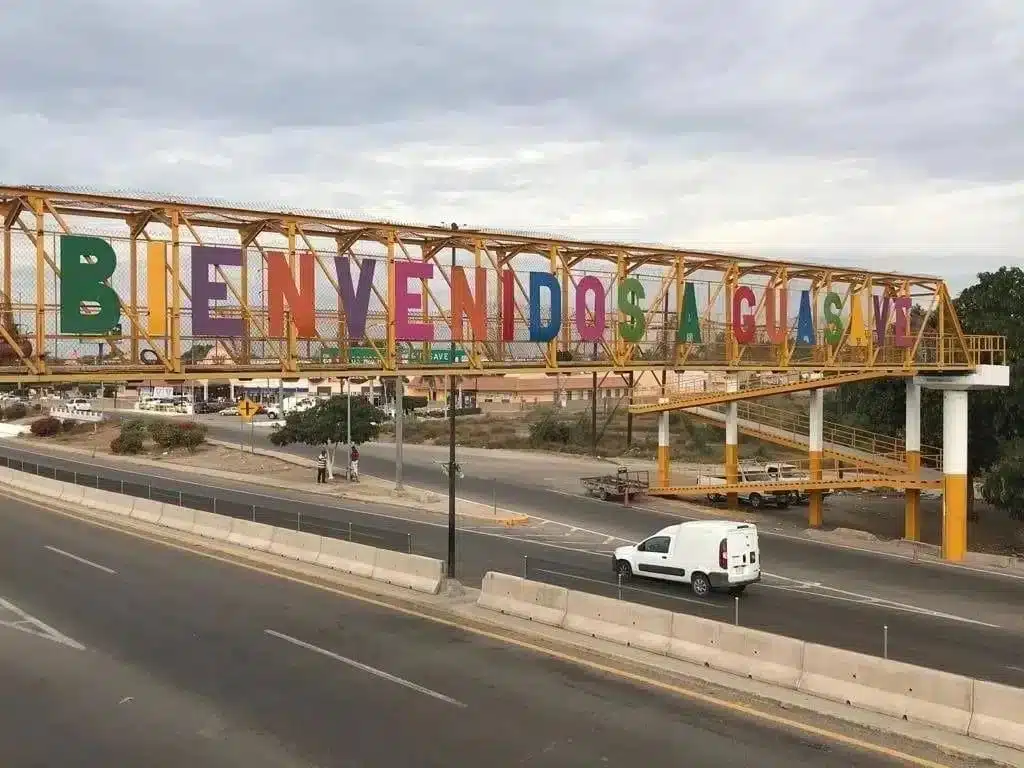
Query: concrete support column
column 815, row 445
column 954, row 480
column 732, row 452
column 664, row 451
column 912, row 501
column 206, row 390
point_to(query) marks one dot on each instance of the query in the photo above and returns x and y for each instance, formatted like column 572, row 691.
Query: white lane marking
column 1015, row 669
column 848, row 597
column 82, row 560
column 365, row 668
column 38, row 627
column 633, row 589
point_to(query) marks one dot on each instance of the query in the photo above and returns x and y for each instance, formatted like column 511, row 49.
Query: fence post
column 179, row 499
column 350, row 530
column 526, row 566
column 149, row 491
column 122, row 486
column 254, row 513
column 408, row 538
column 298, row 520
column 215, row 505
column 97, row 482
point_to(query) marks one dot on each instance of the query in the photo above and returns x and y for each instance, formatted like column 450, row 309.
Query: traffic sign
column 247, row 409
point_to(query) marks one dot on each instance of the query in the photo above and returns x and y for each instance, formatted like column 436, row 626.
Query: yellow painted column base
column 732, row 473
column 912, row 515
column 816, row 500
column 664, row 465
column 954, row 517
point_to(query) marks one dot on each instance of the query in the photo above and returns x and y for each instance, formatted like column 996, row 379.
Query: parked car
column 80, row 404
column 202, row 406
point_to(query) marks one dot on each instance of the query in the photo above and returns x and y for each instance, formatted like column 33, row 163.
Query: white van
column 706, row 554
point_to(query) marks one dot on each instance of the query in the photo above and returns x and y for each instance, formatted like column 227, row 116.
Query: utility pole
column 593, row 406
column 399, row 386
column 348, row 429
column 451, row 440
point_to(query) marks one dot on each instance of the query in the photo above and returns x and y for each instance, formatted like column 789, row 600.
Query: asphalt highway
column 963, row 644
column 116, row 650
column 845, row 573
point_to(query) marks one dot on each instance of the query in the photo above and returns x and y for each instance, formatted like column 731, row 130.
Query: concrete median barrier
column 177, row 518
column 296, row 545
column 889, row 687
column 422, row 574
column 252, row 535
column 147, row 510
column 347, row 557
column 502, row 593
column 211, row 526
column 638, row 626
column 534, row 600
column 759, row 655
column 105, row 501
column 998, row 714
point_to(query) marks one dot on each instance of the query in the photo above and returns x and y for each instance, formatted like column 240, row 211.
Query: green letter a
column 689, row 323
column 85, row 262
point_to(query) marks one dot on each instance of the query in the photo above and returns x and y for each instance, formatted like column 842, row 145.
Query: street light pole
column 451, row 438
column 348, row 429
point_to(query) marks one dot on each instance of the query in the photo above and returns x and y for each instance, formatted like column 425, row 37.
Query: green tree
column 326, row 424
column 1004, row 484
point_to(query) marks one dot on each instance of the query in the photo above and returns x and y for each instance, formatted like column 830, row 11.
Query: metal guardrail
column 382, row 538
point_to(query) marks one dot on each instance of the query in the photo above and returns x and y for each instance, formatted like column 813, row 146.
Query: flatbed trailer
column 618, row 486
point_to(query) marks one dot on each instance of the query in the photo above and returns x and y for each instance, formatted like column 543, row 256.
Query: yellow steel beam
column 697, row 400
column 896, row 482
column 229, row 217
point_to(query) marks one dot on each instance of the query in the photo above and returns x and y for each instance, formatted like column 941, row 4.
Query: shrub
column 127, row 443
column 167, row 434
column 139, row 426
column 15, row 411
column 48, row 426
column 37, row 407
column 190, row 435
column 162, row 432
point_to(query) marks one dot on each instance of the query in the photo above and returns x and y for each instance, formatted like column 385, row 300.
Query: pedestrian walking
column 321, row 467
column 354, row 463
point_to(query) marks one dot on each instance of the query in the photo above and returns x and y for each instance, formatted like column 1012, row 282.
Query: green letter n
column 85, row 263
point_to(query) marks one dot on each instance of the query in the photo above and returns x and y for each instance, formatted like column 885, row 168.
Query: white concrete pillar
column 954, row 470
column 664, row 449
column 912, row 430
column 732, row 450
column 815, row 447
column 913, row 424
column 206, row 390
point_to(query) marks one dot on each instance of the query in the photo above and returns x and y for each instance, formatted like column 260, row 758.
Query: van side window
column 656, row 544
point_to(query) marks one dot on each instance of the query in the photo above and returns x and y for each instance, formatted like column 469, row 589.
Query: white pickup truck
column 746, row 474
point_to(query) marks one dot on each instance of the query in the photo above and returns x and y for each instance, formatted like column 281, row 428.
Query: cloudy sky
column 886, row 134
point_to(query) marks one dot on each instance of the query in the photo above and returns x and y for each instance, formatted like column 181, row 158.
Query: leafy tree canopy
column 326, row 422
column 1004, row 484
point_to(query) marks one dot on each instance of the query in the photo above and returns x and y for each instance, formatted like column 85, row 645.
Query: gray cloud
column 785, row 127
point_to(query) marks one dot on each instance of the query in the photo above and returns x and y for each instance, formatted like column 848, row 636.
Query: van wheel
column 624, row 569
column 700, row 584
column 756, row 500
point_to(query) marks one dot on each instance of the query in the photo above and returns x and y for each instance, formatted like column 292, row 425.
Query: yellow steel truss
column 33, row 346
